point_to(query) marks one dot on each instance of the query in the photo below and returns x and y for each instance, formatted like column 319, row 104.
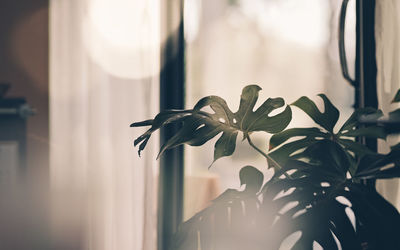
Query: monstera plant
column 317, row 195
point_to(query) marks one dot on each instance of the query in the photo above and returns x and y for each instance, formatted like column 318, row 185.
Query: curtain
column 388, row 63
column 104, row 69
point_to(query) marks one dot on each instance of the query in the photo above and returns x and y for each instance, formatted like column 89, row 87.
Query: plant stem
column 266, row 155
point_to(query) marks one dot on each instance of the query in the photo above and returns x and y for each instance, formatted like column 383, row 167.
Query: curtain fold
column 387, row 37
column 104, row 66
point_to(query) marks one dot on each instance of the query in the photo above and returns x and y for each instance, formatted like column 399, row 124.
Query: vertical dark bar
column 172, row 79
column 366, row 71
column 366, row 60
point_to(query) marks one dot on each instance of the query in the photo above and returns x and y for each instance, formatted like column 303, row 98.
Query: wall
column 24, row 64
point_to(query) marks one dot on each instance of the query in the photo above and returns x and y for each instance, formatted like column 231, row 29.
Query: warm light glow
column 122, row 36
column 304, row 22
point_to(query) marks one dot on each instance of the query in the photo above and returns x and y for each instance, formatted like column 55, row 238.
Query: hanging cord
column 342, row 49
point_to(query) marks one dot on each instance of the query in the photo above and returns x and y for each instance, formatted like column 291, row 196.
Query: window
column 288, row 47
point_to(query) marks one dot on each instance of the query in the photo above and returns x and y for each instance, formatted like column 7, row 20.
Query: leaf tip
column 212, row 163
column 396, row 98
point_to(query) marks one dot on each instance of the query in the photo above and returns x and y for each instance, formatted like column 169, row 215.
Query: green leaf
column 252, row 178
column 219, row 106
column 259, row 120
column 389, row 173
column 396, row 97
column 330, row 155
column 356, row 148
column 345, row 137
column 281, row 137
column 281, row 155
column 327, row 119
column 248, row 99
column 354, row 151
column 313, row 172
column 199, row 126
column 286, row 152
column 395, row 147
column 372, row 132
column 162, row 119
column 394, row 115
column 379, row 166
column 324, row 157
column 352, row 127
column 380, row 219
column 352, row 122
column 225, row 145
column 317, row 213
column 192, row 133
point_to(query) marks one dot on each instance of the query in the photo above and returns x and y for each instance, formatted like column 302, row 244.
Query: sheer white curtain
column 388, row 64
column 104, row 66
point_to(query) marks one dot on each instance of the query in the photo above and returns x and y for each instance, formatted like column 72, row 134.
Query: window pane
column 287, row 47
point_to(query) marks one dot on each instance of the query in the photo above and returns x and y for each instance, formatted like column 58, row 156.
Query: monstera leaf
column 335, row 216
column 379, row 166
column 390, row 123
column 317, row 192
column 327, row 120
column 199, row 126
column 326, row 205
column 230, row 222
column 396, row 97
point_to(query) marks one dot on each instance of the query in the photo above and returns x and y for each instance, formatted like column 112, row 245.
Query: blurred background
column 80, row 72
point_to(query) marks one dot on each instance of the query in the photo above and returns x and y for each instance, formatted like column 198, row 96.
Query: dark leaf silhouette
column 325, row 204
column 199, row 126
column 345, row 137
column 396, row 98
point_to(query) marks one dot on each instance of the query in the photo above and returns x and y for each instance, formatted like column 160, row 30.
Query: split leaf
column 198, row 126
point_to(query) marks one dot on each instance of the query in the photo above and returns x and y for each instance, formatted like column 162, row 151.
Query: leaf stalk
column 247, row 136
